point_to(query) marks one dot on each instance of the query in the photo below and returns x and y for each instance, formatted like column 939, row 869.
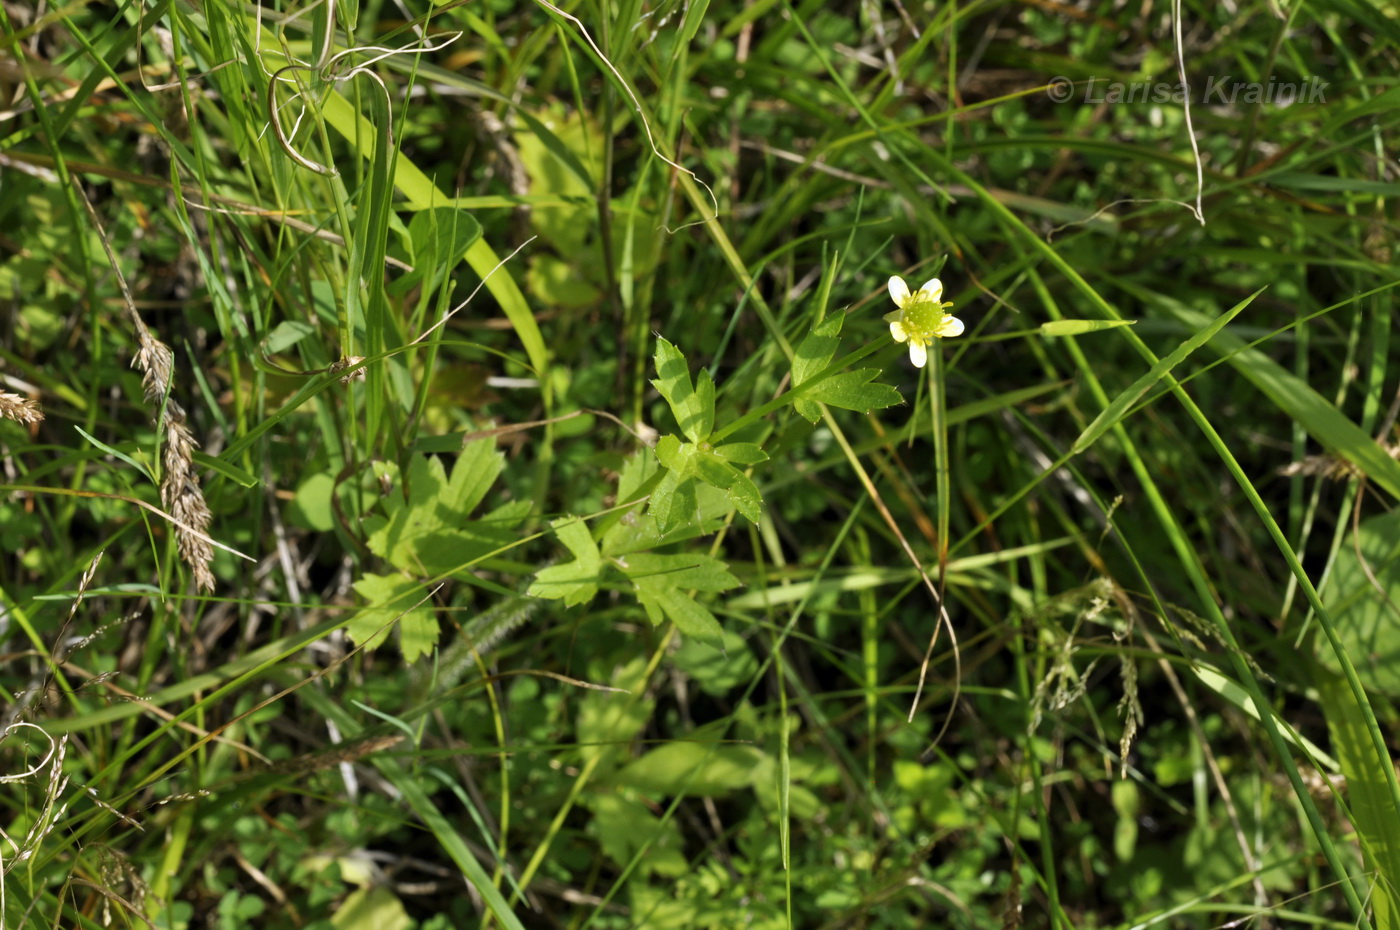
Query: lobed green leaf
column 575, row 582
column 693, row 409
column 853, row 390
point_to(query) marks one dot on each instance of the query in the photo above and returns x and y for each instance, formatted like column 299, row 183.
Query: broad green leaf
column 744, row 493
column 1319, row 416
column 392, row 598
column 673, row 378
column 422, row 194
column 742, row 453
column 421, row 537
column 817, row 348
column 702, row 512
column 418, row 633
column 1118, row 407
column 1372, row 806
column 718, row 473
column 663, row 584
column 554, row 150
column 714, row 471
column 717, row 673
column 626, row 827
column 313, row 502
column 697, row 769
column 692, row 410
column 1078, row 327
column 807, row 409
column 554, row 153
column 685, row 570
column 478, row 466
column 852, row 390
column 394, row 537
column 666, row 603
column 286, row 334
column 432, row 532
column 440, row 238
column 1364, row 612
column 607, row 719
column 373, row 908
column 675, row 455
column 576, row 582
column 557, row 283
column 813, row 354
column 705, row 404
column 635, row 473
column 673, row 501
column 443, row 235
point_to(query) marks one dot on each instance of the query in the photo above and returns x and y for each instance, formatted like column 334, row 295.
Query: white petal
column 932, row 290
column 951, row 326
column 897, row 331
column 918, row 354
column 899, row 291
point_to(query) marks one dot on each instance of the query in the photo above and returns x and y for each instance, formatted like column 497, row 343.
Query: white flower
column 920, row 318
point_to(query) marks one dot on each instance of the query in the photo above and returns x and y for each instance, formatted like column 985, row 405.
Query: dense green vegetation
column 457, row 471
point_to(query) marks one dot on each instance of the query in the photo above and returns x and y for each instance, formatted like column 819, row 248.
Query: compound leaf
column 392, row 598
column 692, row 409
column 851, row 390
column 575, row 582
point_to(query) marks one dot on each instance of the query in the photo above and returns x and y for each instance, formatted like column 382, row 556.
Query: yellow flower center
column 922, row 318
